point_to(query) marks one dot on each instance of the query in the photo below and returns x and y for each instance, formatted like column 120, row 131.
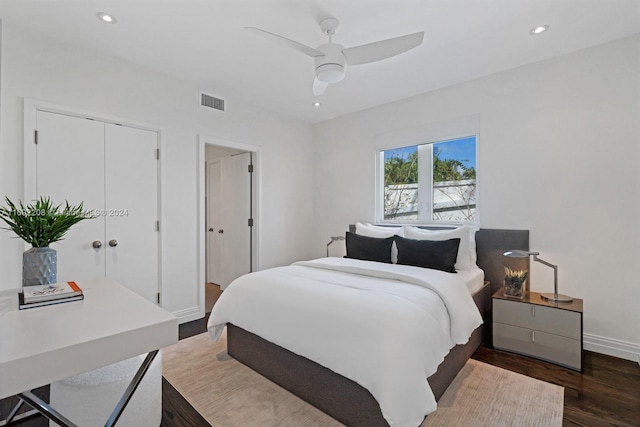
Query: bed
column 339, row 392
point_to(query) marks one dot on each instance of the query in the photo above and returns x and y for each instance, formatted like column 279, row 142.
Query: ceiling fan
column 332, row 58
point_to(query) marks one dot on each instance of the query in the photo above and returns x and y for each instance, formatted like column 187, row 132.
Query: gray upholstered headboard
column 491, row 244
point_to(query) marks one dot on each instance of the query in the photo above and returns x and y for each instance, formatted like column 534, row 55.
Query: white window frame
column 425, row 182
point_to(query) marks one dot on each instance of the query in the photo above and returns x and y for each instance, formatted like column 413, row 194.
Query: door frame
column 204, row 140
column 30, row 110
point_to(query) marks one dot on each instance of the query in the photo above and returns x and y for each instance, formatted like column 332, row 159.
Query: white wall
column 554, row 136
column 215, row 152
column 35, row 66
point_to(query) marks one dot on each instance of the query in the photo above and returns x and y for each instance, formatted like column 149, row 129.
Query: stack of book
column 55, row 293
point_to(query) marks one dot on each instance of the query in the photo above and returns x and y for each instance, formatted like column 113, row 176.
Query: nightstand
column 538, row 328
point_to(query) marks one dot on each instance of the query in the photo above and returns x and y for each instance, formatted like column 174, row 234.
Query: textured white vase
column 39, row 266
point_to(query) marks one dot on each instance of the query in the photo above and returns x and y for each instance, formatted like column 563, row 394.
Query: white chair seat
column 88, row 399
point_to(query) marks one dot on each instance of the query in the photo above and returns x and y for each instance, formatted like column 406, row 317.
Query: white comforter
column 385, row 326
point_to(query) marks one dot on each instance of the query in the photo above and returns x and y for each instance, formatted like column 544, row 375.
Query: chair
column 88, row 399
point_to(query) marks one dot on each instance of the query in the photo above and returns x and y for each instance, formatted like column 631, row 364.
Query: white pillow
column 472, row 246
column 370, row 230
column 466, row 251
column 376, row 231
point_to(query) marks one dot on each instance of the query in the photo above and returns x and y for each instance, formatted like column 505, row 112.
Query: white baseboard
column 612, row 347
column 188, row 314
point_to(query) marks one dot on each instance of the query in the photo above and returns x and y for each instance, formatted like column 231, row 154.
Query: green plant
column 42, row 222
column 515, row 278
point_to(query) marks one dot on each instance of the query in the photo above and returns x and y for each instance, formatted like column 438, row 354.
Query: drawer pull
column 533, row 336
column 533, row 311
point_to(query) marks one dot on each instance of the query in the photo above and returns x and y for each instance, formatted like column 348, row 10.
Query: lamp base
column 558, row 298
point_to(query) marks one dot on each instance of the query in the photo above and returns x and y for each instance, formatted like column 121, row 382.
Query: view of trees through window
column 442, row 172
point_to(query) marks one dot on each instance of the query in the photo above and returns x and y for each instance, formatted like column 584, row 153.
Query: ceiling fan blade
column 287, row 42
column 383, row 49
column 319, row 87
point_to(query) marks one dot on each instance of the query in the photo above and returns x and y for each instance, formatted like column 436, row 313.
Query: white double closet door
column 113, row 170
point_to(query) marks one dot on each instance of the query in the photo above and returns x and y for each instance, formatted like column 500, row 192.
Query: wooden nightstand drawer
column 539, row 328
column 544, row 319
column 553, row 348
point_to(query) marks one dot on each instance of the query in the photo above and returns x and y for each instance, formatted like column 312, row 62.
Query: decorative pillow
column 466, row 259
column 472, row 246
column 366, row 229
column 369, row 248
column 369, row 230
column 435, row 254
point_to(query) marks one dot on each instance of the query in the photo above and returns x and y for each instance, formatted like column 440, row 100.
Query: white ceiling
column 203, row 41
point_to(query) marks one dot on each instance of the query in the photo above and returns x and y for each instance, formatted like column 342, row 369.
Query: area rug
column 228, row 394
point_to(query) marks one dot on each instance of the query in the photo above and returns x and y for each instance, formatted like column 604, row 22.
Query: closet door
column 114, row 170
column 132, row 208
column 70, row 166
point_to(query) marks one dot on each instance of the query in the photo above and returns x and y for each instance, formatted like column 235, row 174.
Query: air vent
column 211, row 102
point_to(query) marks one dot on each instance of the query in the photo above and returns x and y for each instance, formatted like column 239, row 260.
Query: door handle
column 97, row 244
column 113, row 243
column 220, row 231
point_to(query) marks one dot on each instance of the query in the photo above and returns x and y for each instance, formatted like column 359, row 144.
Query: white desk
column 42, row 345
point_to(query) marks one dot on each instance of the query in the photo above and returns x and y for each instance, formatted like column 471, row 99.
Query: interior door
column 70, row 166
column 214, row 228
column 235, row 211
column 131, row 208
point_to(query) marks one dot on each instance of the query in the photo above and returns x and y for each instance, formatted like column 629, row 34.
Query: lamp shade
column 517, row 253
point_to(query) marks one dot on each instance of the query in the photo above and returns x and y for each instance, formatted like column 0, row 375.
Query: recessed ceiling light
column 105, row 17
column 538, row 30
column 316, row 104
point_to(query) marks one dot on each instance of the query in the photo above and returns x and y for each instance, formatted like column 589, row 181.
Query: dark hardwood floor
column 606, row 394
column 177, row 412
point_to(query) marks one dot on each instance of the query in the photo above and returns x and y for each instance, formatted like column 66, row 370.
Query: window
column 427, row 183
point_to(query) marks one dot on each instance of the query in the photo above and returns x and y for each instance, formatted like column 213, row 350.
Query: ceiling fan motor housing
column 330, row 67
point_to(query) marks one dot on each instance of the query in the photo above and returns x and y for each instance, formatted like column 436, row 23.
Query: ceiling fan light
column 105, row 17
column 538, row 30
column 330, row 73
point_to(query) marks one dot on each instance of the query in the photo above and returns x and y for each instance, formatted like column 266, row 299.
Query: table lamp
column 333, row 239
column 554, row 297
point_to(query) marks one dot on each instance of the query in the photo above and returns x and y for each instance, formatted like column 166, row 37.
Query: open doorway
column 229, row 198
